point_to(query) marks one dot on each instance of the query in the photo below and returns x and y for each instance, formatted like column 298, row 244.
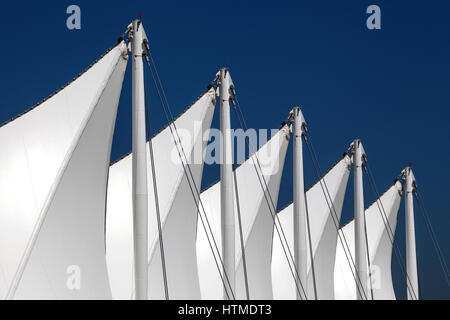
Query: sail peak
column 120, row 46
column 56, row 159
column 284, row 130
column 209, row 91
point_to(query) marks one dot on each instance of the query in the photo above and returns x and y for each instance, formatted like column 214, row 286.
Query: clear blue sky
column 389, row 87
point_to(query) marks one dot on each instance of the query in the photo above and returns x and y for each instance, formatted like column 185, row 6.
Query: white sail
column 257, row 223
column 380, row 250
column 53, row 171
column 177, row 208
column 323, row 236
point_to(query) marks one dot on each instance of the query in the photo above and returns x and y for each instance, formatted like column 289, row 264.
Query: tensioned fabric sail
column 323, row 236
column 177, row 208
column 53, row 173
column 380, row 250
column 257, row 222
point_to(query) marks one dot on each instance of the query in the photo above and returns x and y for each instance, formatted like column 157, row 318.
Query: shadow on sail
column 177, row 207
column 257, row 223
column 380, row 249
column 323, row 236
column 53, row 176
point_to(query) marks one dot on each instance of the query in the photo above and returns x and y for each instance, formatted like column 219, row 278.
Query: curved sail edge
column 176, row 202
column 257, row 222
column 40, row 150
column 323, row 236
column 380, row 249
column 65, row 257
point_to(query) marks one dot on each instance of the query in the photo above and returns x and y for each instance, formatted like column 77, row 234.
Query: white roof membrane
column 53, row 187
column 257, row 223
column 323, row 237
column 177, row 207
column 380, row 250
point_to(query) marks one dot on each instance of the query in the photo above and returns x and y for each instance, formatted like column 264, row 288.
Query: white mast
column 412, row 281
column 299, row 214
column 140, row 205
column 226, row 185
column 361, row 253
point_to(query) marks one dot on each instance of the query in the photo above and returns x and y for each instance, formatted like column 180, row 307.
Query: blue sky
column 389, row 87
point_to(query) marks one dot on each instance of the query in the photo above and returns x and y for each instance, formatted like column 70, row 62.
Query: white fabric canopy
column 177, row 207
column 380, row 250
column 53, row 172
column 323, row 236
column 257, row 223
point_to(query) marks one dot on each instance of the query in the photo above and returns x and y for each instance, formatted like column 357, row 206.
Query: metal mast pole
column 411, row 257
column 360, row 232
column 300, row 227
column 140, row 205
column 226, row 184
